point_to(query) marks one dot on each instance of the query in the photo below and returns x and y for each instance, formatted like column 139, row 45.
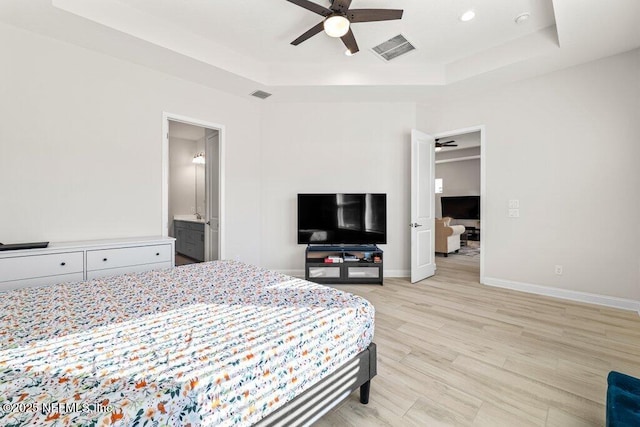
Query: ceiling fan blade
column 370, row 15
column 313, row 7
column 448, row 142
column 349, row 41
column 341, row 5
column 310, row 33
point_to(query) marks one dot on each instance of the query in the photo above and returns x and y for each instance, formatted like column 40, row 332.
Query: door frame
column 483, row 185
column 166, row 117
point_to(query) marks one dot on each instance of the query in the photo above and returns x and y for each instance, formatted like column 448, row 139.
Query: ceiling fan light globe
column 336, row 26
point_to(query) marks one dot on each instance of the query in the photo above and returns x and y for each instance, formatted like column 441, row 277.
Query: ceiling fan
column 338, row 19
column 441, row 145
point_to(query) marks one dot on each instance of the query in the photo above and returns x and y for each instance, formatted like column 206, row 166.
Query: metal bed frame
column 308, row 407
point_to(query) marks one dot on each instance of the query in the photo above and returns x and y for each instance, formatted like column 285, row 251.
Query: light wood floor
column 454, row 352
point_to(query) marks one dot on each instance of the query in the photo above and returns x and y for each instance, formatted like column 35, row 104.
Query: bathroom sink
column 191, row 218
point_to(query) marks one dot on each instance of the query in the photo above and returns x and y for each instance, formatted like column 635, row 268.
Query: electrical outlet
column 559, row 270
column 514, row 213
column 514, row 203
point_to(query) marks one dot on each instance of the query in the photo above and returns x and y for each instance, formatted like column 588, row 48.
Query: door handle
column 415, row 225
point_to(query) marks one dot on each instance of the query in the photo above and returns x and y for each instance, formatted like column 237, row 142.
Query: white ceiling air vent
column 393, row 48
column 260, row 94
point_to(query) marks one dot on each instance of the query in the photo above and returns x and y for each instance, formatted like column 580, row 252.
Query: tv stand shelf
column 366, row 266
column 471, row 233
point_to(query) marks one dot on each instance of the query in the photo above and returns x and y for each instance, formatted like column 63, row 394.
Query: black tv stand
column 353, row 264
column 470, row 233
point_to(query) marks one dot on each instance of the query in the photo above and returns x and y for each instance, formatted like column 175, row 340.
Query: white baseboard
column 397, row 273
column 586, row 297
column 387, row 273
column 622, row 303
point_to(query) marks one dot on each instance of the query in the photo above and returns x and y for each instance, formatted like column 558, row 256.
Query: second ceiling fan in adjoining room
column 447, row 144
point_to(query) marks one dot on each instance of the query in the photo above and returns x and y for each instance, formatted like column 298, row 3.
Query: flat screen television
column 461, row 207
column 342, row 219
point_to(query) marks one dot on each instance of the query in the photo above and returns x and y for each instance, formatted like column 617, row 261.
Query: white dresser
column 78, row 261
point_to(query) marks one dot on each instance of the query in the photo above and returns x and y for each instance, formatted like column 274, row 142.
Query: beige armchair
column 447, row 236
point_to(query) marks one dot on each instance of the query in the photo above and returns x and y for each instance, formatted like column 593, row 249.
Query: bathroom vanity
column 189, row 235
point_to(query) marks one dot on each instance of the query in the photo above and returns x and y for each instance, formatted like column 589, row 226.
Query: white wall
column 80, row 158
column 81, row 145
column 326, row 147
column 566, row 145
column 182, row 175
column 200, row 178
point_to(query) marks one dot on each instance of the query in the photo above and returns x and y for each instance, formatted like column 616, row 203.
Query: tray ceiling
column 245, row 44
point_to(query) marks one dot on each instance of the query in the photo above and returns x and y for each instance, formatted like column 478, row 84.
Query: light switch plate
column 514, row 213
column 514, row 203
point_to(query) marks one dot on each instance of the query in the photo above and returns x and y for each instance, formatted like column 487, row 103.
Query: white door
column 422, row 208
column 212, row 191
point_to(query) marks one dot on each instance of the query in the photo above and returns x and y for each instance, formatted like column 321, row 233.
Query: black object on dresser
column 16, row 246
column 353, row 264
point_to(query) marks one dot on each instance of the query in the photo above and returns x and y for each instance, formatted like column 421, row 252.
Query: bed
column 220, row 343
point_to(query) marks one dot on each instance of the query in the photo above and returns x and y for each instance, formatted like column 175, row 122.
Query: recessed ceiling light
column 522, row 18
column 467, row 16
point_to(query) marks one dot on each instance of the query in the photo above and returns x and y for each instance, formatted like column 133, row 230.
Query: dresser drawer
column 41, row 281
column 95, row 274
column 34, row 266
column 123, row 257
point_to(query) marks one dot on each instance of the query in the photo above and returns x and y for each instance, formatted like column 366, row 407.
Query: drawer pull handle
column 63, row 264
column 104, row 259
column 157, row 253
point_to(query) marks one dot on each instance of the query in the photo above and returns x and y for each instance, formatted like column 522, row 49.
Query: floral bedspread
column 220, row 343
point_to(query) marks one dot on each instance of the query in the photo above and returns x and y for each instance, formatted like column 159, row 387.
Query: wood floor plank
column 455, row 352
column 559, row 418
column 426, row 412
column 491, row 415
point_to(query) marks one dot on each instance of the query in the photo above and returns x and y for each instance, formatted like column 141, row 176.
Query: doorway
column 192, row 205
column 459, row 180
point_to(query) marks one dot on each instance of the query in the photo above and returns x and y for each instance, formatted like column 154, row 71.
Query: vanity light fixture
column 198, row 159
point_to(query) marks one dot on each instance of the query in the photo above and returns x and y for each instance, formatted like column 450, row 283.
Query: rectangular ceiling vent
column 260, row 94
column 393, row 48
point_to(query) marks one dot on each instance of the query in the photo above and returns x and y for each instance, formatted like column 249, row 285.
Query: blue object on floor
column 623, row 400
